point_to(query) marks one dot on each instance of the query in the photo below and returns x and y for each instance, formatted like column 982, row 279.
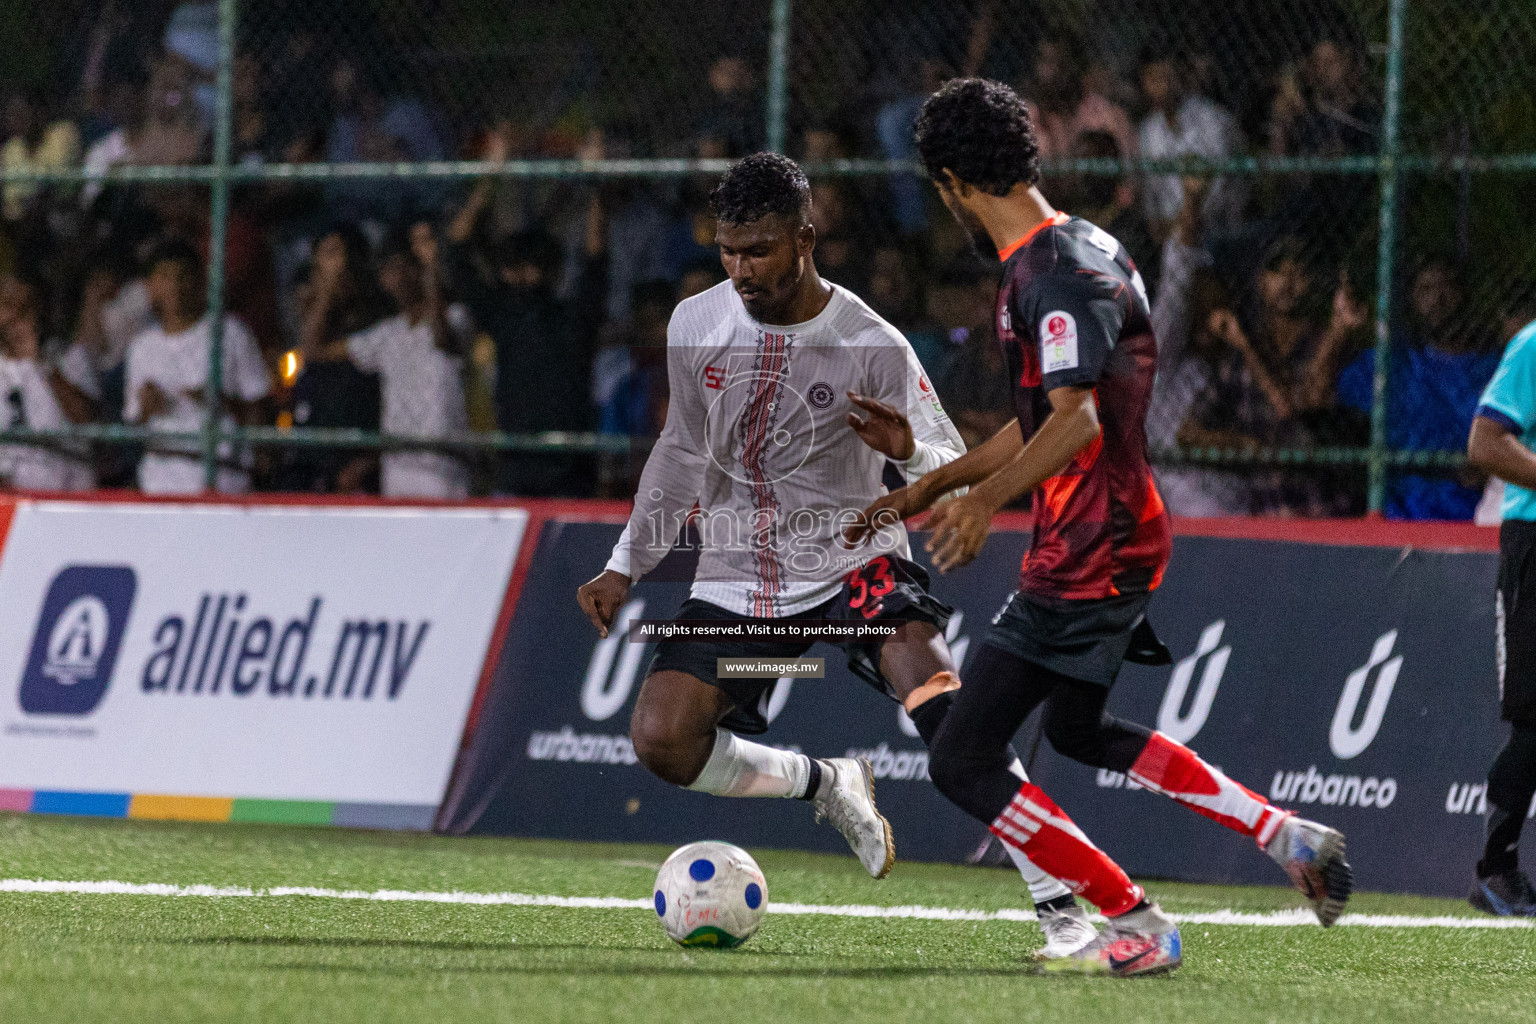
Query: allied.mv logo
column 74, row 647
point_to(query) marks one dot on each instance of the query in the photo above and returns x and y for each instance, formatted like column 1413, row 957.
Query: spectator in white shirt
column 417, row 355
column 166, row 386
column 1184, row 124
column 41, row 394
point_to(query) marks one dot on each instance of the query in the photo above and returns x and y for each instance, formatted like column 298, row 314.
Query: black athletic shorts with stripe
column 886, row 589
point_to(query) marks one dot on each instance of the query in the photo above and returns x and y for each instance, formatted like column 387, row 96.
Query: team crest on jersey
column 1058, row 342
column 820, row 394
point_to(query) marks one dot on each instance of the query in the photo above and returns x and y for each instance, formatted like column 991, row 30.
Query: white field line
column 1274, row 919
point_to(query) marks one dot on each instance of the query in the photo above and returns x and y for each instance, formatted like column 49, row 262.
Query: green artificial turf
column 79, row 958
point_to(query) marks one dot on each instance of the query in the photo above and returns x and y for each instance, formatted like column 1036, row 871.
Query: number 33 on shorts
column 868, row 585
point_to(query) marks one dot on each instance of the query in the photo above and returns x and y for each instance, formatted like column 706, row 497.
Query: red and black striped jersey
column 1072, row 312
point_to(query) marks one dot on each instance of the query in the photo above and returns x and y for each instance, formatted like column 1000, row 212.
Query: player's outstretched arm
column 920, row 495
column 959, row 527
column 669, row 485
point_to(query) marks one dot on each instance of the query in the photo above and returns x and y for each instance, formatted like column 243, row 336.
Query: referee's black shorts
column 1516, row 621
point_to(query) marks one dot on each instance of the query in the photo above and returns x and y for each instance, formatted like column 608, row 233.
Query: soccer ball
column 711, row 894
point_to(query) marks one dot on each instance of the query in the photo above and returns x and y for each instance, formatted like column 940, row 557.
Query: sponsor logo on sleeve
column 74, row 647
column 1058, row 342
column 928, row 393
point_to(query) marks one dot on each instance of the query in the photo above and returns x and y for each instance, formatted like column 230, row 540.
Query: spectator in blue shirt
column 1439, row 368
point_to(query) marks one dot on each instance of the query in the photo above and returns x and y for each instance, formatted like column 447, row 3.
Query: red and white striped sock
column 1172, row 769
column 1033, row 824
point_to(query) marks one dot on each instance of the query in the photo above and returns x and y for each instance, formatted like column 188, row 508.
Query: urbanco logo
column 74, row 647
column 1345, row 738
column 606, row 687
column 1170, row 720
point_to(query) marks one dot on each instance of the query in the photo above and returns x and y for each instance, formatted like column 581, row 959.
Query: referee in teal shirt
column 1503, row 443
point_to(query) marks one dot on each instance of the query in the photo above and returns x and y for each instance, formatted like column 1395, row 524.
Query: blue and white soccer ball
column 711, row 894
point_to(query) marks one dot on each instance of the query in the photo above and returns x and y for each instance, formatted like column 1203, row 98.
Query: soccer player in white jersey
column 789, row 399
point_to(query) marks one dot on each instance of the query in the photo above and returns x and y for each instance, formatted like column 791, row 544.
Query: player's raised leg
column 1312, row 855
column 971, row 765
column 676, row 733
column 920, row 669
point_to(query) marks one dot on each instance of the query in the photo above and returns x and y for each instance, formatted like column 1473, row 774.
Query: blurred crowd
column 428, row 308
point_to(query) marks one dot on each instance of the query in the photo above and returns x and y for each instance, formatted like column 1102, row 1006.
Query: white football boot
column 1066, row 931
column 1313, row 856
column 848, row 801
column 1141, row 942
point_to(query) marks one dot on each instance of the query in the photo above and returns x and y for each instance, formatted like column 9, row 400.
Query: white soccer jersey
column 756, row 435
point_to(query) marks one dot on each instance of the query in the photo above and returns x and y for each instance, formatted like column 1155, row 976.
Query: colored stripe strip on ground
column 283, row 812
column 94, row 805
column 162, row 807
column 179, row 808
column 1274, row 919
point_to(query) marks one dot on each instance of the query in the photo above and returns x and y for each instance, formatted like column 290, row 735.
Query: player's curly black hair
column 761, row 184
column 981, row 130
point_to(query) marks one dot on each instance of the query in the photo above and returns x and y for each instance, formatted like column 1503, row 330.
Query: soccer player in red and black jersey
column 1073, row 319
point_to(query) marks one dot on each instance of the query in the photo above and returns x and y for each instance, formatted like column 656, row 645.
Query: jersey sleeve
column 366, row 348
column 245, row 372
column 674, row 473
column 40, row 405
column 1510, row 397
column 935, row 441
column 1357, row 381
column 76, row 366
column 1076, row 324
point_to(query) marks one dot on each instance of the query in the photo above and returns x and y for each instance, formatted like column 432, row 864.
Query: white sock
column 738, row 767
column 1042, row 887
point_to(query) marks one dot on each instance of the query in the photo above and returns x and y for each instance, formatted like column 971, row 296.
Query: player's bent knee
column 1076, row 737
column 669, row 757
column 670, row 751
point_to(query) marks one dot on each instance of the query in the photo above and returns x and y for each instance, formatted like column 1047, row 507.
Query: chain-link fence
column 1324, row 197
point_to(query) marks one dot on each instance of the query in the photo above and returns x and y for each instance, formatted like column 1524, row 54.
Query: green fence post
column 213, row 388
column 1385, row 254
column 778, row 74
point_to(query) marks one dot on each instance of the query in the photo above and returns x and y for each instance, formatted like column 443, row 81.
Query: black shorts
column 1515, row 618
column 1081, row 639
column 887, row 589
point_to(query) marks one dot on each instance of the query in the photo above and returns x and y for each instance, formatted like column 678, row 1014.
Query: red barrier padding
column 1369, row 531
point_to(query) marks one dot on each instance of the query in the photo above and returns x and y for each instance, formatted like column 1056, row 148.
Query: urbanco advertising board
column 253, row 658
column 1355, row 685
